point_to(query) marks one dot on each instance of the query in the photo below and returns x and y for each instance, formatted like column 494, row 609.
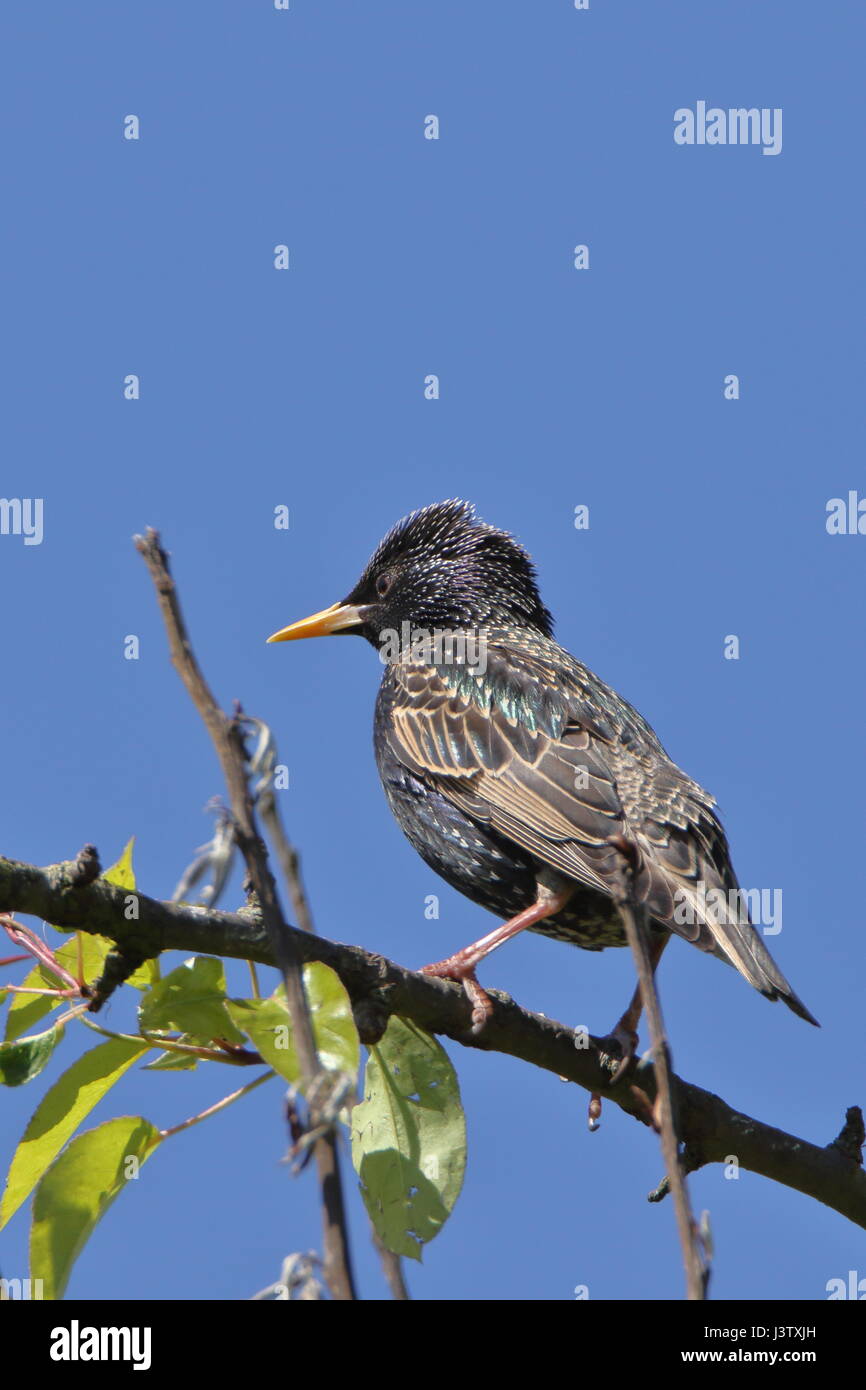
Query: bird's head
column 439, row 569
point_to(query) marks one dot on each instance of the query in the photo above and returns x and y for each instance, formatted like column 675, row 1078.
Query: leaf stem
column 220, row 1105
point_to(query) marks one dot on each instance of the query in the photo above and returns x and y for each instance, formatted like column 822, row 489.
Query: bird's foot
column 623, row 1041
column 462, row 971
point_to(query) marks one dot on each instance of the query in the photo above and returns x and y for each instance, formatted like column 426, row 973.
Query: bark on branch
column 710, row 1129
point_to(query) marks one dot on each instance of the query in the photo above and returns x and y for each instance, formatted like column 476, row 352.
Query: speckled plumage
column 520, row 773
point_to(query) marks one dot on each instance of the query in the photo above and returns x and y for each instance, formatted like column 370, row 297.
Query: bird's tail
column 732, row 937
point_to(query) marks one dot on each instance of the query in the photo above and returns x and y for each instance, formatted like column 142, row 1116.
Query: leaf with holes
column 409, row 1138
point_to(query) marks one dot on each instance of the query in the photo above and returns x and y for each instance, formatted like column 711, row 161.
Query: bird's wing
column 519, row 757
column 558, row 765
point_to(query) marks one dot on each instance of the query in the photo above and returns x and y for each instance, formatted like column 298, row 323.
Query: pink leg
column 463, row 964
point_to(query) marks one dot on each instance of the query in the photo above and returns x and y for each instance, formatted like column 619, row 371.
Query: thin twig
column 228, row 741
column 634, row 920
column 220, row 1105
column 392, row 1268
column 262, row 765
column 288, row 859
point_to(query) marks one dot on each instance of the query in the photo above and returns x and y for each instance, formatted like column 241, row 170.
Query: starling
column 516, row 773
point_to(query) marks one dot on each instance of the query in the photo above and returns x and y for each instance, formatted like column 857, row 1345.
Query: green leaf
column 333, row 1022
column 267, row 1025
column 266, row 1022
column 26, row 1010
column 145, row 976
column 78, row 1189
column 22, row 1060
column 175, row 1061
column 59, row 1114
column 192, row 999
column 122, row 874
column 409, row 1138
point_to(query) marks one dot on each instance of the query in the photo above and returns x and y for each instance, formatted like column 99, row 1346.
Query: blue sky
column 559, row 387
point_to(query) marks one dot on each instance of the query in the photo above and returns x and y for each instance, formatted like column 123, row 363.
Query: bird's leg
column 462, row 965
column 624, row 1033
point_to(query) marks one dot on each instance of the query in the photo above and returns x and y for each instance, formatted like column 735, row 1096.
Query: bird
column 518, row 775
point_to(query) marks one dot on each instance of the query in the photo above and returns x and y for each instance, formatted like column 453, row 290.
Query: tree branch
column 711, row 1130
column 228, row 741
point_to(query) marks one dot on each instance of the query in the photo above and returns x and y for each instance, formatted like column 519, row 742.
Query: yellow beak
column 334, row 619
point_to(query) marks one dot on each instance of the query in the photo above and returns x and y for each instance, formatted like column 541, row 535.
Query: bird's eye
column 383, row 584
